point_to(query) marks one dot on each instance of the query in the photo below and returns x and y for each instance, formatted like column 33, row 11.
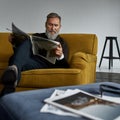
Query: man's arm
column 62, row 61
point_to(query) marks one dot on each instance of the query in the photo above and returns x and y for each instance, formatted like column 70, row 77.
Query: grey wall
column 101, row 17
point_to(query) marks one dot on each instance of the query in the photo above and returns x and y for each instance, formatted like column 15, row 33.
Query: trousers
column 24, row 59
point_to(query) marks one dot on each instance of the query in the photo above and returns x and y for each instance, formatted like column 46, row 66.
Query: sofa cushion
column 88, row 43
column 5, row 48
column 41, row 78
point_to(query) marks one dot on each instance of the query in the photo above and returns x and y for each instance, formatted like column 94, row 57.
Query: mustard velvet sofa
column 82, row 60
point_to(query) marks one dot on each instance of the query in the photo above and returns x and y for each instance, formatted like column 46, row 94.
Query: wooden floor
column 106, row 75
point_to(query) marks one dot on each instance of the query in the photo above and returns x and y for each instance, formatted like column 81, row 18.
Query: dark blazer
column 59, row 63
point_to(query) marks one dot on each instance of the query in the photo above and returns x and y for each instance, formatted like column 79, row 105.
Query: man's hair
column 53, row 15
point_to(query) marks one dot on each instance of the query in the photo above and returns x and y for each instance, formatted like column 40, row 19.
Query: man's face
column 53, row 26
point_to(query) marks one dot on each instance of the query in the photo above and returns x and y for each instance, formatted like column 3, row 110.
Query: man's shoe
column 9, row 80
column 9, row 77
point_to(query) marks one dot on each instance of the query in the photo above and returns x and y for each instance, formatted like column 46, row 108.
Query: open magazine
column 40, row 46
column 48, row 108
column 85, row 104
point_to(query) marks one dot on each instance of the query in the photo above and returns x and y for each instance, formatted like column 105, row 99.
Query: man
column 23, row 58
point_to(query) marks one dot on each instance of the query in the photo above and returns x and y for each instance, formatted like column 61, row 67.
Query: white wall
column 101, row 17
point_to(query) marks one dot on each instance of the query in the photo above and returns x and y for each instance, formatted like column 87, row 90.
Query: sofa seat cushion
column 41, row 78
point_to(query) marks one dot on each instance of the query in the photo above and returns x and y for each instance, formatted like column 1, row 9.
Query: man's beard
column 50, row 36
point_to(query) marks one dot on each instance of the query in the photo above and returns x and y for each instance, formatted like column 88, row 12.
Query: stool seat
column 110, row 57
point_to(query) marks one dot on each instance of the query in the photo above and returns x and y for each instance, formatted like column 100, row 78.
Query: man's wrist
column 60, row 58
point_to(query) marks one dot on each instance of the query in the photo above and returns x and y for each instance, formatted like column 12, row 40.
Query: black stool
column 110, row 57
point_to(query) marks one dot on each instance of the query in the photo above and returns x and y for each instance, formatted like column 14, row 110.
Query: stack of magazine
column 79, row 103
column 40, row 46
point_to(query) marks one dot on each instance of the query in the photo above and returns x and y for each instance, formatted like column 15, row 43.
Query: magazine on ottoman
column 91, row 106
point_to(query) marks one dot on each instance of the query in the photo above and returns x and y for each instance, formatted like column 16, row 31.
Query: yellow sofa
column 82, row 60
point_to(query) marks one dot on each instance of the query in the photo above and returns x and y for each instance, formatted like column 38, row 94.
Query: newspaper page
column 44, row 48
column 85, row 104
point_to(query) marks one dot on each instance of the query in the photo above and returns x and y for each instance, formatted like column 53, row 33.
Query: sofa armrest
column 81, row 59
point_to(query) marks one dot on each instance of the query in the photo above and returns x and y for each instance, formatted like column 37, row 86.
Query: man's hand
column 59, row 51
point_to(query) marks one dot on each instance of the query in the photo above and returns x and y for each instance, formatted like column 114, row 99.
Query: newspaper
column 44, row 48
column 40, row 46
column 85, row 104
column 19, row 36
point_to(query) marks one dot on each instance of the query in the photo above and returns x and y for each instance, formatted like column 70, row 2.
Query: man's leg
column 21, row 60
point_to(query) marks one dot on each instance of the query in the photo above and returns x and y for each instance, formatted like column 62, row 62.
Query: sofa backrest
column 76, row 42
column 87, row 43
column 5, row 47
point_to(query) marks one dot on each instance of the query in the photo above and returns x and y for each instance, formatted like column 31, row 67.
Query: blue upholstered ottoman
column 26, row 105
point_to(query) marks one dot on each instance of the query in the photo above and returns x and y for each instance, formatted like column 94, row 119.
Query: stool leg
column 111, row 53
column 110, row 57
column 117, row 48
column 102, row 53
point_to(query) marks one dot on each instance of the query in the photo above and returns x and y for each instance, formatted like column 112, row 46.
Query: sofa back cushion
column 5, row 47
column 76, row 42
column 81, row 43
